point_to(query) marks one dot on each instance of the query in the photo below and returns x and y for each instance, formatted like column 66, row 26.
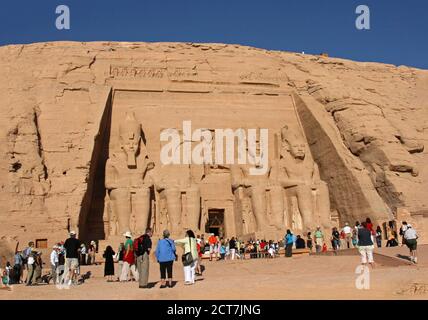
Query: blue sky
column 398, row 35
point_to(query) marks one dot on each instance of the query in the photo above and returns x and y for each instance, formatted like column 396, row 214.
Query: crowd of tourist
column 132, row 256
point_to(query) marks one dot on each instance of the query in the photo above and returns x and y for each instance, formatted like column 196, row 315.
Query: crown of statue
column 129, row 128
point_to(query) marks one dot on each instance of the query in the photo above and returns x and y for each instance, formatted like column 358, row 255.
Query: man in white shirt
column 54, row 263
column 347, row 230
column 411, row 236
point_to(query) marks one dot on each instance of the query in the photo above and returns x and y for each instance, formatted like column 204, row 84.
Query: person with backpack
column 411, row 237
column 128, row 259
column 166, row 255
column 190, row 256
column 403, row 229
column 142, row 247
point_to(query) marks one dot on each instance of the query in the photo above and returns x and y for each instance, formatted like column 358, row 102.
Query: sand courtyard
column 299, row 277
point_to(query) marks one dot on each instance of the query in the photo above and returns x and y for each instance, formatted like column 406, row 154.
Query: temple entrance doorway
column 215, row 222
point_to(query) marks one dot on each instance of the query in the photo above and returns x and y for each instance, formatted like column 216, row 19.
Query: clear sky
column 398, row 34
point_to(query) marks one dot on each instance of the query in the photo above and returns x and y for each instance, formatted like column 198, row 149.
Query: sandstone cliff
column 366, row 123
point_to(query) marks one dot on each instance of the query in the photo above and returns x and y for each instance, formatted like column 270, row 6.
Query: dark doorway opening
column 215, row 222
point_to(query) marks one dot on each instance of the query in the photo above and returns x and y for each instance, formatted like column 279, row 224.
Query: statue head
column 130, row 136
column 294, row 143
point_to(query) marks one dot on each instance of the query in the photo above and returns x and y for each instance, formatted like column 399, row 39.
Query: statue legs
column 277, row 206
column 304, row 201
column 141, row 203
column 120, row 200
column 193, row 207
column 111, row 216
column 173, row 199
column 323, row 205
column 258, row 202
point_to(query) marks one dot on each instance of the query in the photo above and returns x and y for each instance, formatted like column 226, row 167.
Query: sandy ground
column 300, row 277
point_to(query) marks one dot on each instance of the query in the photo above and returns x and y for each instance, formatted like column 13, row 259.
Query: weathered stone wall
column 370, row 121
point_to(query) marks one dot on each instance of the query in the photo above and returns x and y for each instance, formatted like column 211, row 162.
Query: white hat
column 128, row 234
column 72, row 232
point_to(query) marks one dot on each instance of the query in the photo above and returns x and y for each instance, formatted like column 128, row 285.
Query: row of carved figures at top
column 131, row 175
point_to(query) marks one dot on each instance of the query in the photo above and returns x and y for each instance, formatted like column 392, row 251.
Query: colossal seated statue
column 299, row 176
column 126, row 170
column 245, row 185
column 173, row 182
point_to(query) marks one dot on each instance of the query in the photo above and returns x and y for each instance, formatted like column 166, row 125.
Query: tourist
column 30, row 268
column 166, row 255
column 212, row 240
column 119, row 257
column 25, row 255
column 18, row 267
column 5, row 280
column 369, row 225
column 128, row 259
column 232, row 248
column 319, row 239
column 189, row 257
column 54, row 260
column 238, row 249
column 61, row 263
column 8, row 273
column 288, row 239
column 355, row 234
column 365, row 244
column 379, row 237
column 71, row 246
column 38, row 268
column 335, row 239
column 200, row 254
column 347, row 230
column 392, row 242
column 203, row 243
column 83, row 254
column 91, row 252
column 142, row 250
column 109, row 263
column 324, row 248
column 411, row 237
column 403, row 229
column 222, row 250
column 300, row 242
column 271, row 249
column 309, row 243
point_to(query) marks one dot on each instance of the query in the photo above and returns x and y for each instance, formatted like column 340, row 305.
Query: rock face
column 364, row 127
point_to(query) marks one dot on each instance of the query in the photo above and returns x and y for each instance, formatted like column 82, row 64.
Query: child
column 324, row 248
column 5, row 280
column 222, row 251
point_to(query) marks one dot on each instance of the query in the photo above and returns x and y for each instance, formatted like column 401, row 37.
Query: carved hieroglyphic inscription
column 150, row 72
column 263, row 77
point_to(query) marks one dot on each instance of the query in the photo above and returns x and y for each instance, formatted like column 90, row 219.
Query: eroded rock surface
column 366, row 126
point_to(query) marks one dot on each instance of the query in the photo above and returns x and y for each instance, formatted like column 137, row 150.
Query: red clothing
column 198, row 247
column 212, row 240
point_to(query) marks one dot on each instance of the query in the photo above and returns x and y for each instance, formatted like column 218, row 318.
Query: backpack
column 138, row 246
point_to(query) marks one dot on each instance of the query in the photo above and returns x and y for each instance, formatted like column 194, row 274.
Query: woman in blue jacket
column 165, row 254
